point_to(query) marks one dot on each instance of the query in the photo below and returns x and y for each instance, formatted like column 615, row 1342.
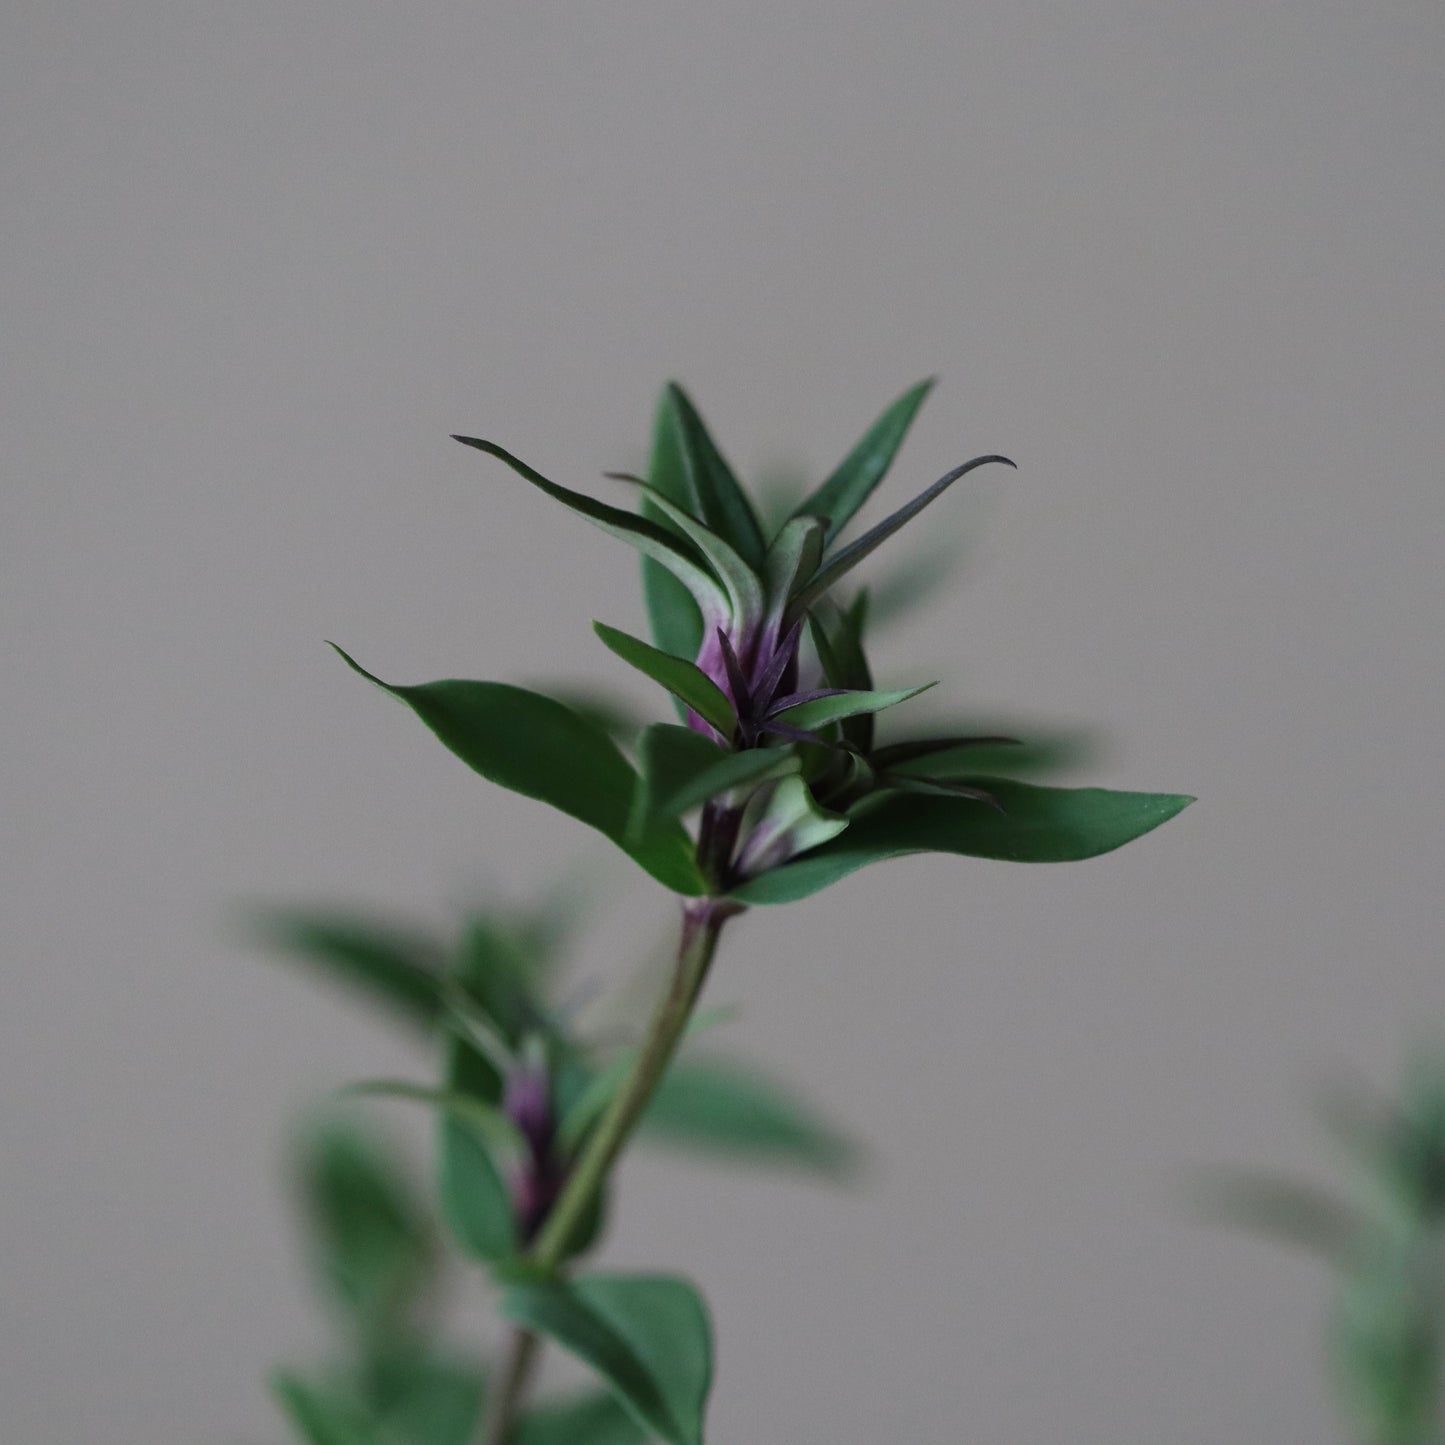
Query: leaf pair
column 646, row 1335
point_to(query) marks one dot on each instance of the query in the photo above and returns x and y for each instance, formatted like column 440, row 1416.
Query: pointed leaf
column 720, row 501
column 369, row 1236
column 396, row 968
column 791, row 561
column 475, row 1201
column 684, row 680
column 649, row 539
column 721, row 1108
column 1038, row 825
column 588, row 1418
column 742, row 584
column 647, row 1336
column 670, row 757
column 535, row 746
column 824, row 710
column 673, row 616
column 487, row 1123
column 843, row 562
column 322, row 1415
column 864, row 467
column 731, row 770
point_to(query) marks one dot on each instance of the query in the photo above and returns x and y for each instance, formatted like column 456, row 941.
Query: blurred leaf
column 864, row 467
column 820, row 711
column 370, row 1236
column 590, row 1418
column 535, row 746
column 1038, row 825
column 714, row 491
column 647, row 1336
column 672, row 612
column 726, row 1109
column 501, row 968
column 392, row 966
column 841, row 563
column 649, row 538
column 684, row 680
column 321, row 1414
column 486, row 1122
column 428, row 1401
column 1279, row 1208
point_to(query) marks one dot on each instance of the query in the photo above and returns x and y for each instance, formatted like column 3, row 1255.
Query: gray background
column 1181, row 261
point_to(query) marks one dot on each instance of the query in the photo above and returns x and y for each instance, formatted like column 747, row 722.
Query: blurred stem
column 702, row 921
column 521, row 1361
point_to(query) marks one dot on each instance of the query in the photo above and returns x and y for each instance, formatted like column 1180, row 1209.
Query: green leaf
column 791, row 561
column 591, row 1417
column 823, row 710
column 742, row 584
column 673, row 615
column 729, row 771
column 841, row 563
column 719, row 500
column 499, row 971
column 669, row 757
column 1282, row 1209
column 1038, row 825
column 535, row 746
column 394, row 967
column 320, row 1414
column 649, row 539
column 722, row 1108
column 647, row 1336
column 840, row 650
column 428, row 1401
column 864, row 467
column 486, row 1122
column 684, row 680
column 369, row 1236
column 475, row 1201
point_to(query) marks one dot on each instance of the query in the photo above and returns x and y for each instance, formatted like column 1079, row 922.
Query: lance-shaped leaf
column 840, row 651
column 322, row 1414
column 1037, row 825
column 729, row 771
column 719, row 500
column 649, row 539
column 590, row 1416
column 722, row 1108
column 841, row 563
column 864, row 467
column 475, row 1201
column 791, row 561
column 684, row 680
column 488, row 1123
column 535, row 746
column 820, row 711
column 370, row 1238
column 673, row 615
column 397, row 968
column 742, row 584
column 647, row 1336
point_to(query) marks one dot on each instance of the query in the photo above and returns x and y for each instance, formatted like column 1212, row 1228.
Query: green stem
column 702, row 922
column 502, row 1405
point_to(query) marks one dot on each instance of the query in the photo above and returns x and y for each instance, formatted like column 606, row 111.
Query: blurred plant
column 1385, row 1246
column 775, row 756
column 518, row 1085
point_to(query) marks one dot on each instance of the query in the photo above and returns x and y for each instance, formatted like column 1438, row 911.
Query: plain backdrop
column 1181, row 261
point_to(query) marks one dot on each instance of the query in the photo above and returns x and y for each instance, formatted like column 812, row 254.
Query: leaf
column 588, row 1418
column 1038, row 825
column 683, row 679
column 428, row 1401
column 673, row 615
column 499, row 972
column 740, row 581
column 475, row 1201
column 720, row 501
column 394, row 967
column 321, row 1415
column 722, row 1108
column 483, row 1120
column 852, row 483
column 370, row 1237
column 535, row 746
column 1281, row 1209
column 647, row 1336
column 791, row 561
column 649, row 539
column 841, row 563
column 669, row 757
column 824, row 710
column 731, row 770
